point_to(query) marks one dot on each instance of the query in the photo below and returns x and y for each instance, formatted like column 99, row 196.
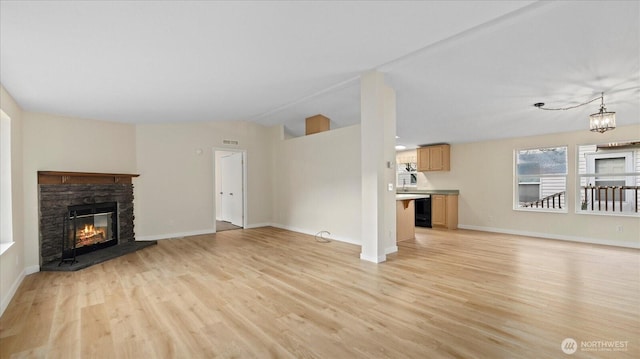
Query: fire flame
column 89, row 234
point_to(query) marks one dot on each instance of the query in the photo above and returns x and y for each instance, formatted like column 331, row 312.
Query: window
column 406, row 169
column 608, row 178
column 407, row 174
column 541, row 179
column 611, row 165
column 6, row 221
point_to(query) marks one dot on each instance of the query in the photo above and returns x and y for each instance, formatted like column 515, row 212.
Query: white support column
column 378, row 135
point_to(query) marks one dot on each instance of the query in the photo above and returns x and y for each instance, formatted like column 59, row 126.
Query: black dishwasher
column 423, row 212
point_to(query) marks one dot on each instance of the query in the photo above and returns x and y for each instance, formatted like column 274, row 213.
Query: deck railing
column 549, row 201
column 600, row 194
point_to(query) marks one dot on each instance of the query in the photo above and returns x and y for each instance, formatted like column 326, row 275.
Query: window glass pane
column 527, row 179
column 541, row 181
column 542, row 161
column 407, row 174
column 610, row 165
column 528, row 192
column 407, row 179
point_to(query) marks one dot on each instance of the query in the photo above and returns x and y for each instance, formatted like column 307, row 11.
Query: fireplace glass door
column 91, row 227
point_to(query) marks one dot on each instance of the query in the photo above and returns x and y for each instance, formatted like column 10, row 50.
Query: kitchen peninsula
column 444, row 212
column 405, row 215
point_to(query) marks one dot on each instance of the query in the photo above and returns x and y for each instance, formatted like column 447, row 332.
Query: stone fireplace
column 83, row 212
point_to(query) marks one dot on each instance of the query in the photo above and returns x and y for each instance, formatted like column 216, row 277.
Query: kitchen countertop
column 409, row 196
column 428, row 191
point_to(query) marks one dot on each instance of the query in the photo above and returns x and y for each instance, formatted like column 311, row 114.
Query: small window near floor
column 541, row 179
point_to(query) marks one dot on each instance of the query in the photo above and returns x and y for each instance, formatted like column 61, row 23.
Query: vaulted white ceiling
column 463, row 70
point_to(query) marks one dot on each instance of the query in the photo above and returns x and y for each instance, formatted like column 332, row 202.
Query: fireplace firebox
column 89, row 227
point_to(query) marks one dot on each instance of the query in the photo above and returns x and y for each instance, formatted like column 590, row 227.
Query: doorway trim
column 244, row 183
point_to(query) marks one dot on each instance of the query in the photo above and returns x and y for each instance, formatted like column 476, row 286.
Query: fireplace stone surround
column 59, row 190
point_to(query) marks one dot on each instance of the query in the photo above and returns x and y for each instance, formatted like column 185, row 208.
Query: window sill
column 5, row 246
column 610, row 213
column 543, row 210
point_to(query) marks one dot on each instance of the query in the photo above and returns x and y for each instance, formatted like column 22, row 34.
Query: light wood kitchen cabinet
column 316, row 124
column 434, row 158
column 444, row 211
column 405, row 220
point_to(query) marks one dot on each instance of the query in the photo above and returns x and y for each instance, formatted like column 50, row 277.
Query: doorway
column 229, row 168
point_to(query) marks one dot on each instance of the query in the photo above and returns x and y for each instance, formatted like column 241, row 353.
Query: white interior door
column 231, row 189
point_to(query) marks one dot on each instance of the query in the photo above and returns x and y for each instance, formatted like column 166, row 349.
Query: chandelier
column 601, row 121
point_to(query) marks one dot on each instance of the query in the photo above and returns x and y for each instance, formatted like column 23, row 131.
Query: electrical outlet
column 390, row 187
column 620, row 229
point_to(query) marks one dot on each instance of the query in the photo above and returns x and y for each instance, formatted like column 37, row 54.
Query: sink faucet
column 404, row 185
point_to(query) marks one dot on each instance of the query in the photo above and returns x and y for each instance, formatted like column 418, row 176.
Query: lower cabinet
column 444, row 211
column 405, row 218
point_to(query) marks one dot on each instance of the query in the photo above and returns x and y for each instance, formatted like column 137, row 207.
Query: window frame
column 410, row 173
column 628, row 166
column 516, row 181
column 630, row 174
column 404, row 158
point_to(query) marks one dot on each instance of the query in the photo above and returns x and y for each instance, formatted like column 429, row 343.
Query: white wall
column 174, row 195
column 317, row 183
column 483, row 172
column 12, row 262
column 56, row 143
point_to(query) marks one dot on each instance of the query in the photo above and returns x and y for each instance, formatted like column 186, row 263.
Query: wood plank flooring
column 225, row 226
column 271, row 293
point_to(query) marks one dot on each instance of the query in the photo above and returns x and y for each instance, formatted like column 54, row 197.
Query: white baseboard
column 313, row 233
column 381, row 258
column 156, row 237
column 378, row 259
column 4, row 303
column 174, row 235
column 258, row 225
column 31, row 270
column 605, row 242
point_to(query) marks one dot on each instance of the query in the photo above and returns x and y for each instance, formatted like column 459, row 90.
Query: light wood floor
column 225, row 226
column 268, row 292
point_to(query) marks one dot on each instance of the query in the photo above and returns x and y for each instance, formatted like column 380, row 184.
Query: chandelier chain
column 572, row 107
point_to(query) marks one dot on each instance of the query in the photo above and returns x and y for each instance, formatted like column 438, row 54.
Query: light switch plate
column 390, row 187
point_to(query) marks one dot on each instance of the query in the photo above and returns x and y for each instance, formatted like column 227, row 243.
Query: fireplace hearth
column 82, row 214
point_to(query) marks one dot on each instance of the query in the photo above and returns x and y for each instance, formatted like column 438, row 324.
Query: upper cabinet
column 434, row 158
column 316, row 124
